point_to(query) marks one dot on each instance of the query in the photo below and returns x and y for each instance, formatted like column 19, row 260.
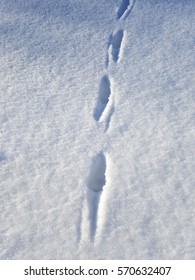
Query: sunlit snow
column 97, row 138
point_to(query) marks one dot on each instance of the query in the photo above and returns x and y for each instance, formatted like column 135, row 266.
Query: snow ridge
column 93, row 214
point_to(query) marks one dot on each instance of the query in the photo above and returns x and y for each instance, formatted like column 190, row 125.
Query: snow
column 97, row 129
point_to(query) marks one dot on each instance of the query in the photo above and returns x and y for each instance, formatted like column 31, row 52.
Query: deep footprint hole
column 123, row 7
column 116, row 44
column 97, row 177
column 103, row 97
column 117, row 39
column 104, row 90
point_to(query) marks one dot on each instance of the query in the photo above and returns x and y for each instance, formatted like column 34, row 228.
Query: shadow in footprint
column 125, row 9
column 122, row 9
column 96, row 182
column 2, row 156
column 97, row 177
column 116, row 44
column 103, row 98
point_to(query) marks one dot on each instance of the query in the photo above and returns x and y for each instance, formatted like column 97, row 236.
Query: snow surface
column 97, row 129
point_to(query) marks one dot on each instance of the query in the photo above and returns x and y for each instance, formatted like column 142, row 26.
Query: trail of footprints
column 92, row 216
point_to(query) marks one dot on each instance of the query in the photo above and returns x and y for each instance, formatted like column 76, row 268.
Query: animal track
column 96, row 182
column 116, row 44
column 94, row 201
column 97, row 177
column 125, row 9
column 103, row 98
column 93, row 211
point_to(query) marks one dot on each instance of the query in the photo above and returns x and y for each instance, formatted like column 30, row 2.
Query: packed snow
column 97, row 157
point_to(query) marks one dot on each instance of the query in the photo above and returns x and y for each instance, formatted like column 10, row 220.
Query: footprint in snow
column 125, row 9
column 103, row 98
column 116, row 44
column 96, row 183
column 97, row 178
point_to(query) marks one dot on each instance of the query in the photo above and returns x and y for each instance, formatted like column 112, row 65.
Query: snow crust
column 97, row 129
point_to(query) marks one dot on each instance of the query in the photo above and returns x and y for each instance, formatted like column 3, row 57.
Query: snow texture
column 97, row 133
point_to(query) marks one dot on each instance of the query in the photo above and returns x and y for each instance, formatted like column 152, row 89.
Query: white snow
column 74, row 185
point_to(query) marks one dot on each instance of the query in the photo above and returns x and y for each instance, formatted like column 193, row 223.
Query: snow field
column 97, row 129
